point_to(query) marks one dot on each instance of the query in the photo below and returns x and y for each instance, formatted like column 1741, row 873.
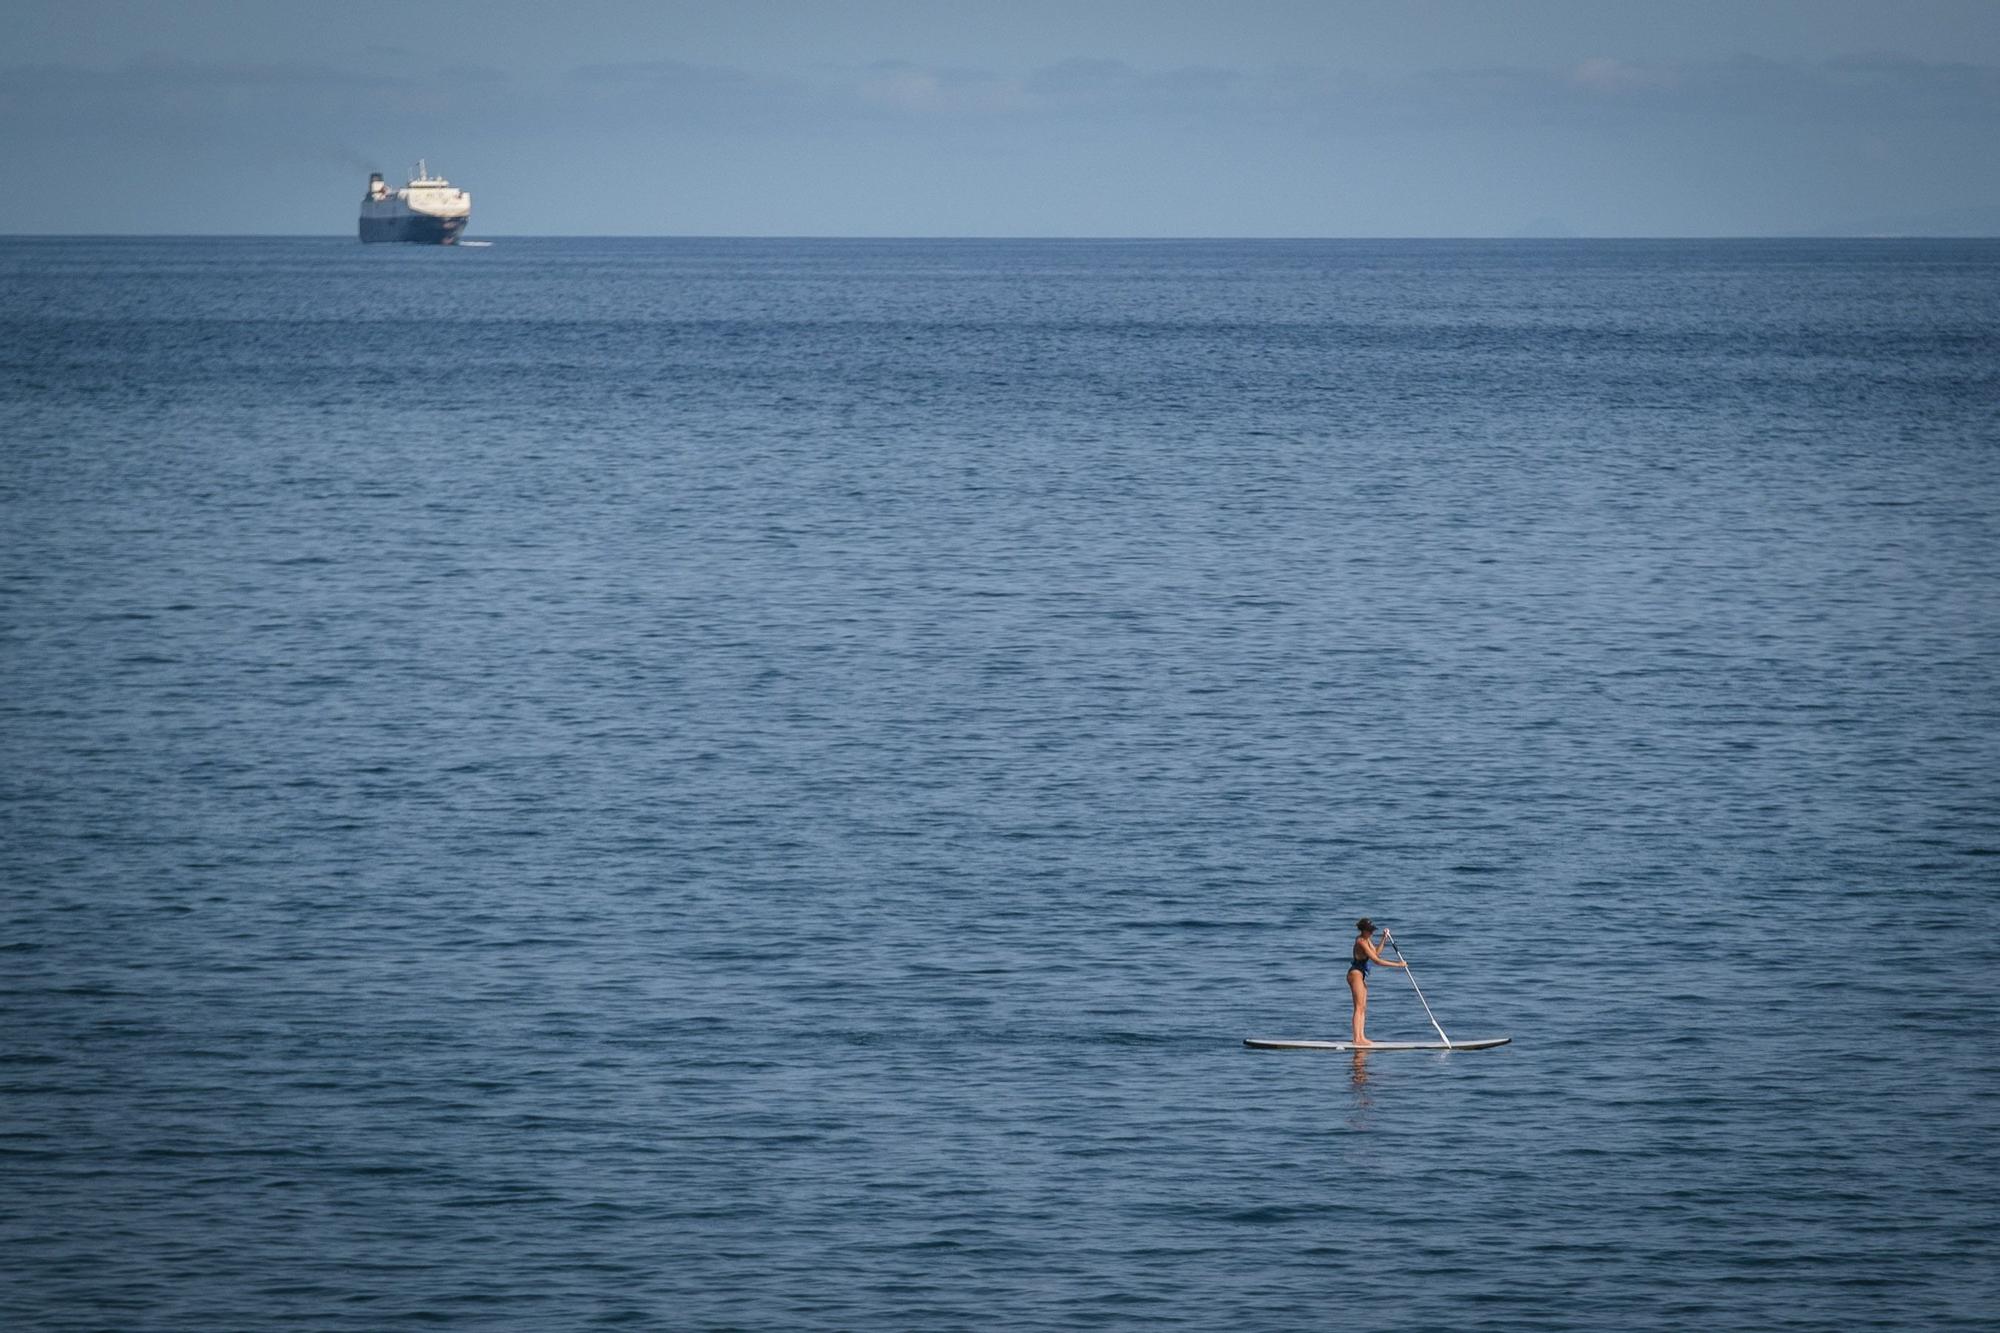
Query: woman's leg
column 1360, row 990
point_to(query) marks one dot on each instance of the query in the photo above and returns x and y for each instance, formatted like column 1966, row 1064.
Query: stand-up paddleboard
column 1280, row 1044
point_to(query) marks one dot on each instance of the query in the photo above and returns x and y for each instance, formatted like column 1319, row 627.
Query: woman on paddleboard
column 1365, row 953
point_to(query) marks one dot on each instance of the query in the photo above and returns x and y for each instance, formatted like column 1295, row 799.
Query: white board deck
column 1278, row 1044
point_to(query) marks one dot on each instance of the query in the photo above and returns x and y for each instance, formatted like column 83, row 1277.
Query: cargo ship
column 427, row 211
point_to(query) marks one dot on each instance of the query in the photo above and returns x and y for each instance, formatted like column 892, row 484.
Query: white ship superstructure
column 430, row 210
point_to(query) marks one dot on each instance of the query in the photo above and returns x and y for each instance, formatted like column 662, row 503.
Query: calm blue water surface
column 760, row 785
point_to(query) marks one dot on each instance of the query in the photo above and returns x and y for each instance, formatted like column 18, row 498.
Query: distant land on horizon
column 1963, row 223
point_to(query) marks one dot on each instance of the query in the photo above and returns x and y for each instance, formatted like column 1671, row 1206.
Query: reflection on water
column 1357, row 1078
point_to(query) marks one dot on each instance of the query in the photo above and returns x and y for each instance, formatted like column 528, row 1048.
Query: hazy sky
column 1009, row 117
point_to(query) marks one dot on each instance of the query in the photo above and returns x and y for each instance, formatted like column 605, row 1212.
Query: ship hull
column 412, row 229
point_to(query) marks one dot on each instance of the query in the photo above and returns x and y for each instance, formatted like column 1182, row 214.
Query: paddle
column 1390, row 940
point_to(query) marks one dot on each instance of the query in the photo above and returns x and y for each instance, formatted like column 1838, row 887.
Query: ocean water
column 760, row 784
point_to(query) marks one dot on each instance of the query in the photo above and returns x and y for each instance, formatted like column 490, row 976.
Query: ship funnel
column 376, row 189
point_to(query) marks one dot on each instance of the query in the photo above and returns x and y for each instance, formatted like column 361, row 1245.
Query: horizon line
column 885, row 236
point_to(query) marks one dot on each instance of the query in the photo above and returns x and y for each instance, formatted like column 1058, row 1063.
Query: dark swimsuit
column 1360, row 964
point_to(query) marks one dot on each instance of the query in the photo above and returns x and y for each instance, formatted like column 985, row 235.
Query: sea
column 762, row 784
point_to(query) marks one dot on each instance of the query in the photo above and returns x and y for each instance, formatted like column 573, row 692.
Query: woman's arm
column 1368, row 947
